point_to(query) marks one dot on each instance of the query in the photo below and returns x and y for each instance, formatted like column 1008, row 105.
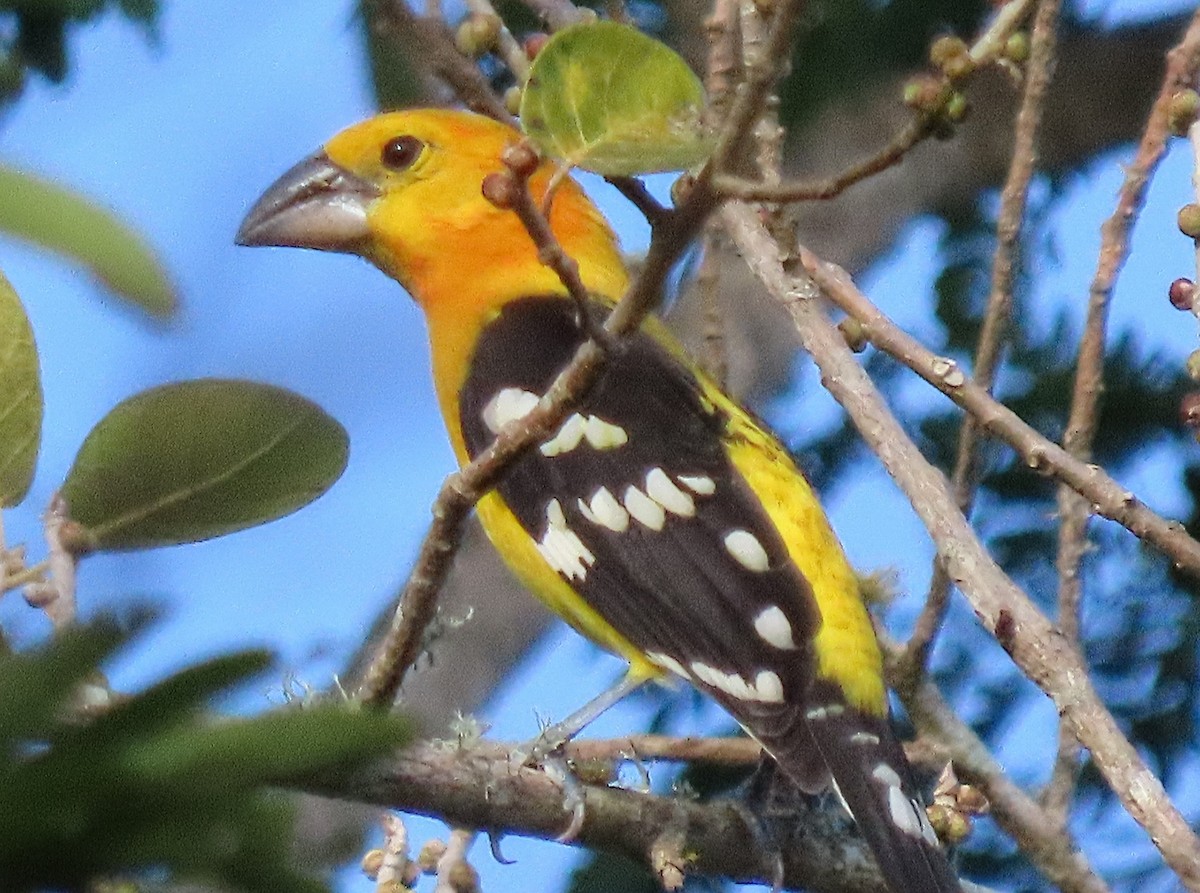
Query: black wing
column 637, row 506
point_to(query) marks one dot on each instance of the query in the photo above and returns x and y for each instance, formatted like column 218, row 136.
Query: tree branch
column 1034, row 644
column 476, row 785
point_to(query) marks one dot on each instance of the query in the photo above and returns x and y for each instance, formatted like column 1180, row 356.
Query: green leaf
column 35, row 685
column 20, row 398
column 69, row 224
column 198, row 459
column 274, row 747
column 157, row 790
column 607, row 98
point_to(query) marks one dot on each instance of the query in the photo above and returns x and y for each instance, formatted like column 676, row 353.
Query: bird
column 661, row 520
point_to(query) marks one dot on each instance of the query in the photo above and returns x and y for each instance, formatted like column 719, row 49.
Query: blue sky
column 179, row 138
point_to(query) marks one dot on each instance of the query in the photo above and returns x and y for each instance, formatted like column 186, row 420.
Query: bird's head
column 403, row 190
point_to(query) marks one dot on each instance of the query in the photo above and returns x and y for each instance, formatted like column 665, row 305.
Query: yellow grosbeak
column 661, row 520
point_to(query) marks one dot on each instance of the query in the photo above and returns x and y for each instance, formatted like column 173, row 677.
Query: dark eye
column 400, row 152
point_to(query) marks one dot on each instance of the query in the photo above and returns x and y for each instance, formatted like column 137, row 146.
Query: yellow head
column 403, row 190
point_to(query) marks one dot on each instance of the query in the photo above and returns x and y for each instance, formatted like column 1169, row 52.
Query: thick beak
column 314, row 205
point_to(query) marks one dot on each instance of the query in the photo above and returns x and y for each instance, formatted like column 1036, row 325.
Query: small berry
column 946, row 48
column 372, row 861
column 952, row 56
column 429, row 855
column 595, row 772
column 463, row 878
column 1182, row 293
column 855, row 334
column 477, row 34
column 950, row 825
column 1016, row 48
column 1182, row 111
column 971, row 800
column 534, row 42
column 500, row 190
column 1189, row 409
column 521, row 158
column 923, row 93
column 957, row 108
column 1193, row 365
column 1189, row 220
column 392, row 887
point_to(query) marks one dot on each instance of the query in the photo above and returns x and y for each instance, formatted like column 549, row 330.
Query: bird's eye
column 400, row 152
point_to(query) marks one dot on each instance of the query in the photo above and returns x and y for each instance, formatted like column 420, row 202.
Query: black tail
column 872, row 776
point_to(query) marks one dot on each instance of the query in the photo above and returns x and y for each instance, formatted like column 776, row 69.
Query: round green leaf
column 607, row 98
column 20, row 398
column 69, row 224
column 198, row 459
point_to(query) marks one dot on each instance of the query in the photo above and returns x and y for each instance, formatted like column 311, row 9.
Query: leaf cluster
column 40, row 30
column 151, row 787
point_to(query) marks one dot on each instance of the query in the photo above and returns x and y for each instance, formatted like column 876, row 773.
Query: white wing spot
column 747, row 550
column 667, row 663
column 828, row 710
column 507, row 406
column 662, row 490
column 700, row 484
column 907, row 814
column 562, row 548
column 607, row 512
column 886, row 774
column 567, row 438
column 904, row 813
column 599, row 434
column 766, row 687
column 647, row 512
column 602, row 435
column 773, row 628
column 864, row 738
column 586, row 511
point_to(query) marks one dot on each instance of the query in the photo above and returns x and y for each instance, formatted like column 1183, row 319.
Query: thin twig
column 724, row 64
column 478, row 786
column 722, row 72
column 890, row 155
column 714, row 356
column 1041, row 652
column 35, row 573
column 639, row 196
column 1074, row 510
column 56, row 595
column 988, row 351
column 453, row 862
column 395, row 867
